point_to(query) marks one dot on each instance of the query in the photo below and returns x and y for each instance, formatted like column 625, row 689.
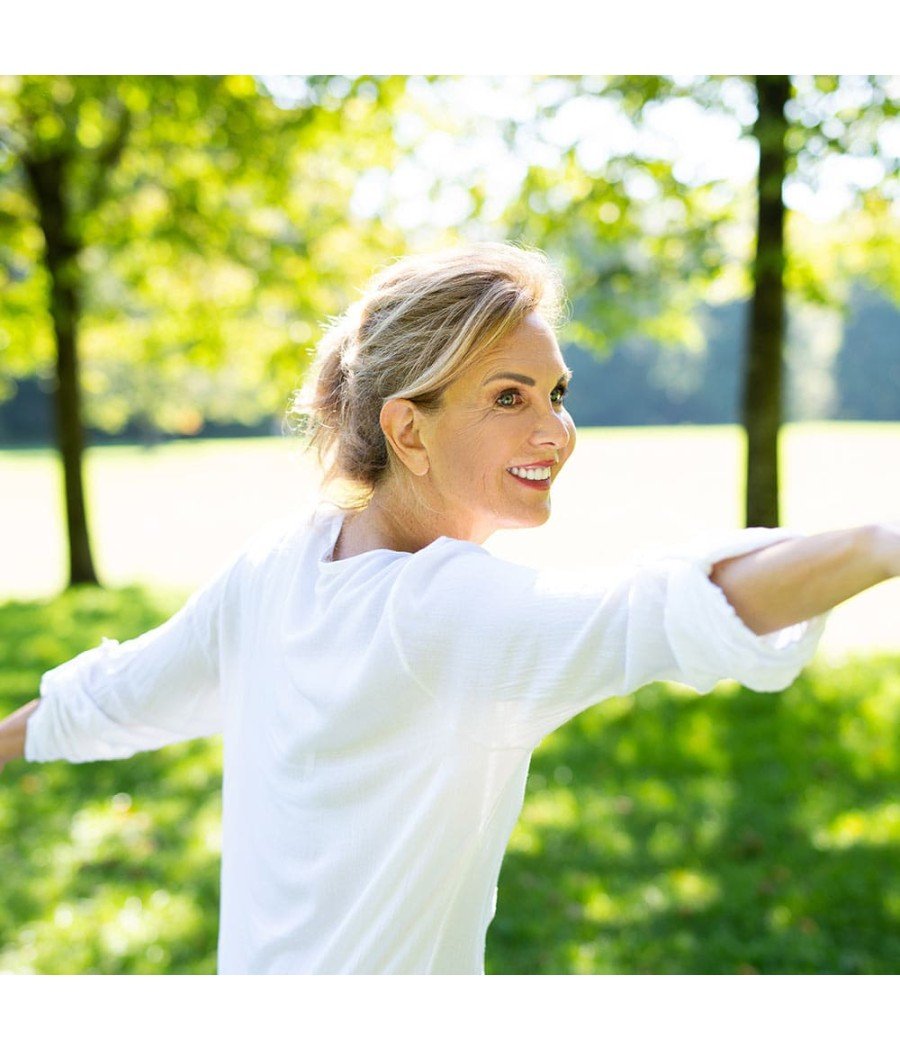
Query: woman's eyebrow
column 519, row 378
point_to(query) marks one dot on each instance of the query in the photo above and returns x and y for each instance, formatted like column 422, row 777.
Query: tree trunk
column 764, row 364
column 46, row 177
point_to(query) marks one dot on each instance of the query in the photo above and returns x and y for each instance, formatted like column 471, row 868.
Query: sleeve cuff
column 711, row 642
column 51, row 728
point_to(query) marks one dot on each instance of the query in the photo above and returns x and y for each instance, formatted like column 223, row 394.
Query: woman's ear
column 400, row 420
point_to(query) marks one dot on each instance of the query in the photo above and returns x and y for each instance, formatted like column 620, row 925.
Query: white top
column 378, row 716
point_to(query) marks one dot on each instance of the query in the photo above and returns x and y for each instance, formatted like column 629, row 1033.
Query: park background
column 170, row 249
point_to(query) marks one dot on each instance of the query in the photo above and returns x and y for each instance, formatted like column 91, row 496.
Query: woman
column 379, row 678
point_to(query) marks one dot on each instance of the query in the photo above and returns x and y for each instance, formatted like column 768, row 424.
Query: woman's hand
column 12, row 732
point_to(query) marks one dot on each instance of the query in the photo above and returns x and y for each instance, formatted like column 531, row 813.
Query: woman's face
column 505, row 411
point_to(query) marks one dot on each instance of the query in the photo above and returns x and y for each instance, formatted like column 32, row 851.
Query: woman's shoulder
column 282, row 534
column 451, row 566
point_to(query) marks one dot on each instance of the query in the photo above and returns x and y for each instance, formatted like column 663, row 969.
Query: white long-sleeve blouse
column 378, row 716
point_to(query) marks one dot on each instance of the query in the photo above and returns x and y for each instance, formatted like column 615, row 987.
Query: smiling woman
column 411, row 402
column 380, row 679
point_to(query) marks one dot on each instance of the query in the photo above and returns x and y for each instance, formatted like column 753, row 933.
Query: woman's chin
column 531, row 518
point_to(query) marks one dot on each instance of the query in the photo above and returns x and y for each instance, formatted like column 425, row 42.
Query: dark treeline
column 639, row 384
column 643, row 384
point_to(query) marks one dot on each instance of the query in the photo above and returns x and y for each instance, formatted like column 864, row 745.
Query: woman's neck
column 388, row 522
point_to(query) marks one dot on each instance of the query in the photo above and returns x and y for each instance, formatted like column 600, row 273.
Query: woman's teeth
column 532, row 473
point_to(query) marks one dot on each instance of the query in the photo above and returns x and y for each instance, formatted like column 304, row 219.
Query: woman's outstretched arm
column 797, row 579
column 12, row 732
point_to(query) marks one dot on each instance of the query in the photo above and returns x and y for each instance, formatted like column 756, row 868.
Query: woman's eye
column 558, row 396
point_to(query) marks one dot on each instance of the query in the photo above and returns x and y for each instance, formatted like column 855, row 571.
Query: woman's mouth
column 532, row 483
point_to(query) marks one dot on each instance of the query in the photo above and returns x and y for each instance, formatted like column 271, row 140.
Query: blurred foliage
column 667, row 832
column 210, row 230
column 216, row 229
column 643, row 239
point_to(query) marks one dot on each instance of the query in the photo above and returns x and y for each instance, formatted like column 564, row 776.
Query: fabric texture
column 378, row 716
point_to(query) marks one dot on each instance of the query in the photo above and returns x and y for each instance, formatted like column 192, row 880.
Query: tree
column 157, row 229
column 642, row 243
column 763, row 409
column 799, row 123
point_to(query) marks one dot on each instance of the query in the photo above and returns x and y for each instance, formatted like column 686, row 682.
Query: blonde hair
column 417, row 326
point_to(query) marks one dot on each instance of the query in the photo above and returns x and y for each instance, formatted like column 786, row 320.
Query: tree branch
column 106, row 159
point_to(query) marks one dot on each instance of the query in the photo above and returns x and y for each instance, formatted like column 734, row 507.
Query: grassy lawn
column 664, row 832
column 736, row 832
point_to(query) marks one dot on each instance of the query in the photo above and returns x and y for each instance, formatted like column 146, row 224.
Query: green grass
column 735, row 832
column 662, row 833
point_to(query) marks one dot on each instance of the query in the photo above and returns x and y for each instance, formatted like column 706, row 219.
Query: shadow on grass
column 735, row 832
column 667, row 832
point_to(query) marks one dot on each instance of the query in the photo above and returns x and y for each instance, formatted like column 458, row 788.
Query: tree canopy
column 207, row 224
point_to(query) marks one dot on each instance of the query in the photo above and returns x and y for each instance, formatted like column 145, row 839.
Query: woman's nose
column 552, row 428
